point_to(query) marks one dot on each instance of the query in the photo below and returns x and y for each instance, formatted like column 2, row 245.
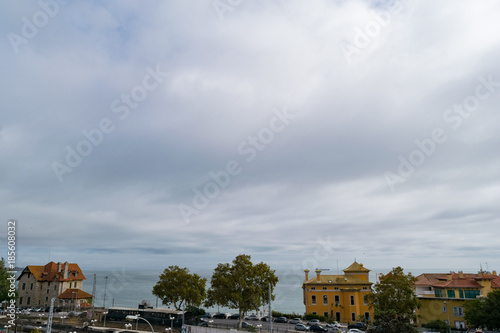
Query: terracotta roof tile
column 69, row 294
column 49, row 272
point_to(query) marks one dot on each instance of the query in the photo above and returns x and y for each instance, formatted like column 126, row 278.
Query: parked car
column 244, row 324
column 220, row 316
column 295, row 321
column 301, row 327
column 281, row 320
column 355, row 330
column 333, row 325
column 252, row 317
column 358, row 325
column 313, row 322
column 206, row 315
column 318, row 328
column 265, row 318
column 234, row 316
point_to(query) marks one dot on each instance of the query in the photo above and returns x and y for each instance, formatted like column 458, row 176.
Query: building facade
column 443, row 295
column 37, row 285
column 339, row 297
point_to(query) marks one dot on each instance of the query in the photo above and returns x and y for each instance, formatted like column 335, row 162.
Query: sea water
column 128, row 288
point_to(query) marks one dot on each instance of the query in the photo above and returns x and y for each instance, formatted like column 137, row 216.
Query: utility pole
column 270, row 312
column 93, row 296
column 105, row 289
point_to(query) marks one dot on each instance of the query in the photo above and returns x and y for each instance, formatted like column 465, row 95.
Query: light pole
column 448, row 314
column 7, row 327
column 104, row 313
column 73, row 300
column 62, row 319
column 172, row 323
column 128, row 326
column 137, row 317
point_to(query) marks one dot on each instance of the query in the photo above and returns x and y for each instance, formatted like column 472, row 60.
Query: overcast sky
column 143, row 134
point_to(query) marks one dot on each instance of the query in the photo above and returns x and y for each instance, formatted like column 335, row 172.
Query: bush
column 437, row 325
column 310, row 316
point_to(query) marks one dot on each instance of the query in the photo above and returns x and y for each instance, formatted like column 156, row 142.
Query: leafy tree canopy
column 241, row 285
column 484, row 312
column 180, row 288
column 4, row 282
column 394, row 303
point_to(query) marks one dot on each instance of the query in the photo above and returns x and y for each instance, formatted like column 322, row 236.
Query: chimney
column 307, row 274
column 65, row 273
column 318, row 275
column 449, row 277
column 460, row 274
column 494, row 273
column 59, row 267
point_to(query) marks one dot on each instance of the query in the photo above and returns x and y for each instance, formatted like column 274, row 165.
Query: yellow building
column 338, row 297
column 443, row 295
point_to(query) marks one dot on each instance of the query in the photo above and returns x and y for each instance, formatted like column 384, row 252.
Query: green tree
column 180, row 288
column 241, row 285
column 438, row 326
column 484, row 312
column 4, row 282
column 394, row 303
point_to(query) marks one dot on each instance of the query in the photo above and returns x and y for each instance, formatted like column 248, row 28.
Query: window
column 445, row 309
column 365, row 288
column 28, row 301
column 438, row 292
column 461, row 293
column 451, row 293
column 325, row 300
column 352, row 300
column 313, row 299
column 337, row 299
column 458, row 311
column 367, row 315
column 337, row 316
column 365, row 300
column 471, row 293
column 353, row 316
column 325, row 314
column 24, row 286
column 47, row 290
column 336, row 288
column 314, row 312
column 31, row 287
column 20, row 300
column 313, row 288
column 325, row 288
column 48, row 285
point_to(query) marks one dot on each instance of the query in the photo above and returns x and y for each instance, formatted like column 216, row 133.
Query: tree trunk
column 240, row 319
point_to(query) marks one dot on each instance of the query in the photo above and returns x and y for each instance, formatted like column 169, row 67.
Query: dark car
column 318, row 328
column 244, row 324
column 220, row 316
column 281, row 320
column 360, row 326
column 234, row 316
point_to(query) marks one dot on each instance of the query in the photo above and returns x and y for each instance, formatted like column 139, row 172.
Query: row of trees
column 240, row 285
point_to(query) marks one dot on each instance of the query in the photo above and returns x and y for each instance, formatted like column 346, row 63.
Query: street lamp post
column 172, row 323
column 137, row 317
column 7, row 327
column 448, row 314
column 62, row 319
column 128, row 326
column 104, row 313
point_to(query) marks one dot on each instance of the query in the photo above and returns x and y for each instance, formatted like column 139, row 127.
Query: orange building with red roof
column 339, row 297
column 443, row 295
column 37, row 285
